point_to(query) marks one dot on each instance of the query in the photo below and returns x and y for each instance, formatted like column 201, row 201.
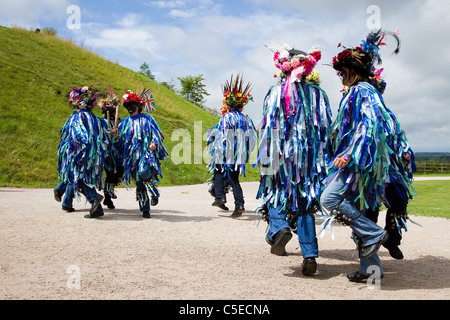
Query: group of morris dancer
column 344, row 170
column 128, row 149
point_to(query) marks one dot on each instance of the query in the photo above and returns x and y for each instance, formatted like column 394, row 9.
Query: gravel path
column 191, row 250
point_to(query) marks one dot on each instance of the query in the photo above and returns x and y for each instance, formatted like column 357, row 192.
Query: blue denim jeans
column 219, row 183
column 141, row 188
column 306, row 229
column 365, row 264
column 332, row 198
column 66, row 189
column 90, row 193
column 368, row 231
column 144, row 175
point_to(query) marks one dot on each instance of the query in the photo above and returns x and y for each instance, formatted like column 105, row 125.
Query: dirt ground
column 191, row 250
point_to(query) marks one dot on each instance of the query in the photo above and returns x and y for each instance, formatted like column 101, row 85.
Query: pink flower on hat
column 286, row 67
column 295, row 63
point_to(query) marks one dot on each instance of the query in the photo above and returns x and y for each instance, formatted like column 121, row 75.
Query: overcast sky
column 219, row 38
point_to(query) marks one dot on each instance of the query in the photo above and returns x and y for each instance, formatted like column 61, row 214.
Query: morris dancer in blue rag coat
column 398, row 187
column 230, row 143
column 84, row 151
column 292, row 154
column 143, row 149
column 114, row 159
column 361, row 160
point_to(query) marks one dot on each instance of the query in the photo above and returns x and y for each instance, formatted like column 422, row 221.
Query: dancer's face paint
column 343, row 75
column 131, row 108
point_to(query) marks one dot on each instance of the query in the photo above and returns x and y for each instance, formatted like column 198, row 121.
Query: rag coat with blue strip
column 293, row 140
column 401, row 171
column 114, row 156
column 231, row 141
column 136, row 134
column 368, row 131
column 82, row 150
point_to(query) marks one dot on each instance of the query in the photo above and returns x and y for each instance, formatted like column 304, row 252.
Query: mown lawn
column 433, row 199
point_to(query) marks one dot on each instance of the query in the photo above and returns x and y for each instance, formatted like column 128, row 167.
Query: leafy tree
column 169, row 85
column 193, row 89
column 145, row 70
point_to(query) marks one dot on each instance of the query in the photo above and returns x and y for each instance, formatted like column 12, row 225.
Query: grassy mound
column 37, row 73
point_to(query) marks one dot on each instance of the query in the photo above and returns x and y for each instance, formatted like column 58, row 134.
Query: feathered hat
column 130, row 98
column 84, row 98
column 366, row 56
column 142, row 100
column 293, row 62
column 235, row 94
column 110, row 102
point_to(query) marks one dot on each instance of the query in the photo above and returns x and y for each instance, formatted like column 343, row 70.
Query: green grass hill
column 38, row 71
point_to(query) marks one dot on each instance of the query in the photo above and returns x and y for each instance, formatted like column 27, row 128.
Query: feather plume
column 378, row 38
column 110, row 90
column 237, row 85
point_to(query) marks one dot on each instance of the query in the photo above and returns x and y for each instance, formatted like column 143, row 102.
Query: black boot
column 108, row 202
column 95, row 203
column 394, row 251
column 359, row 277
column 57, row 195
column 281, row 239
column 368, row 251
column 68, row 209
column 146, row 214
column 238, row 210
column 218, row 202
column 309, row 266
column 223, row 207
column 212, row 191
column 95, row 214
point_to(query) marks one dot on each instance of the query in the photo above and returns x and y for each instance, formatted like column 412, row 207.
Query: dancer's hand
column 152, row 146
column 342, row 161
column 406, row 158
column 115, row 132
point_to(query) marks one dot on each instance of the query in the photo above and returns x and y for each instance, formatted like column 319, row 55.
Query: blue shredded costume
column 113, row 165
column 235, row 127
column 86, row 149
column 292, row 158
column 360, row 130
column 140, row 163
column 293, row 146
column 398, row 188
column 230, row 142
column 113, row 161
column 292, row 155
column 363, row 140
column 82, row 148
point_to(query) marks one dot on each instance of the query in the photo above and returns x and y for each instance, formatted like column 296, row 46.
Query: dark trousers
column 114, row 176
column 67, row 190
column 398, row 203
column 219, row 184
column 141, row 189
column 89, row 192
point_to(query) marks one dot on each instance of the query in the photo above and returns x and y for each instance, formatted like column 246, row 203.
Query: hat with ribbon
column 364, row 57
